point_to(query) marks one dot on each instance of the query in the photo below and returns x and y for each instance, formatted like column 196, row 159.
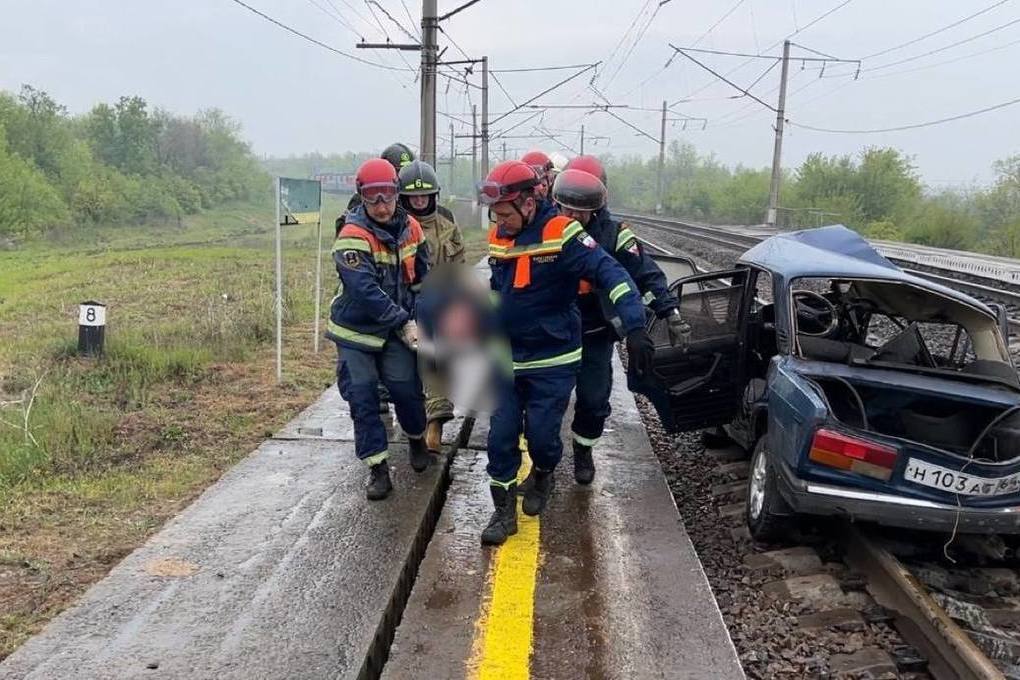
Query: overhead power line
column 913, row 126
column 721, row 19
column 636, row 41
column 935, row 32
column 943, row 49
column 944, row 62
column 544, row 92
column 537, row 68
column 337, row 17
column 317, row 42
column 458, row 9
column 616, row 48
column 414, row 22
column 396, row 23
column 723, row 78
column 669, row 62
column 799, row 30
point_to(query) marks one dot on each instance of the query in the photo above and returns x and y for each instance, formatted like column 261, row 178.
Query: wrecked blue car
column 859, row 389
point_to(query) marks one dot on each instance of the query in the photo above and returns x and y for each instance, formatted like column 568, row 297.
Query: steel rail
column 951, row 653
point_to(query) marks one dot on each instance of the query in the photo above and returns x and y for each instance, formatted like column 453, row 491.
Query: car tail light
column 855, row 455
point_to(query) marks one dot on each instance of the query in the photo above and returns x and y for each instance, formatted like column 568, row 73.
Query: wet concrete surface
column 281, row 569
column 438, row 629
column 620, row 592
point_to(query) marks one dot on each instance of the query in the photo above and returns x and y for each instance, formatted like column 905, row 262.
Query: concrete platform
column 618, row 589
column 281, row 569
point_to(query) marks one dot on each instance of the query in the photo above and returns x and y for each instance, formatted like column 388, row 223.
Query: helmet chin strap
column 525, row 221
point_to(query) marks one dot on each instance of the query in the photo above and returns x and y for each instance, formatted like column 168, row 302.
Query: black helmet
column 398, row 155
column 417, row 178
column 579, row 190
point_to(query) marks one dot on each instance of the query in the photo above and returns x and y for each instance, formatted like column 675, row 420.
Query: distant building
column 336, row 182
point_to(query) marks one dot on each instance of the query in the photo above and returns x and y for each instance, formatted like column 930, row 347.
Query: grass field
column 95, row 454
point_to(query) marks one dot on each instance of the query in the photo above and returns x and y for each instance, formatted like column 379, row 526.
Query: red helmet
column 377, row 181
column 505, row 182
column 538, row 160
column 579, row 190
column 589, row 164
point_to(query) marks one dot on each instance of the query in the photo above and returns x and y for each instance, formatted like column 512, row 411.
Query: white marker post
column 279, row 290
column 91, row 328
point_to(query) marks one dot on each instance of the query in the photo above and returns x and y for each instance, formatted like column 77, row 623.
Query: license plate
column 954, row 481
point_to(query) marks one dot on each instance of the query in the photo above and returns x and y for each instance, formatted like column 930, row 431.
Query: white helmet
column 559, row 161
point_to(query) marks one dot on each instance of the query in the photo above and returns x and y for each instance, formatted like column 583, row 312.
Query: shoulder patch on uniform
column 587, row 241
column 351, row 258
column 632, row 247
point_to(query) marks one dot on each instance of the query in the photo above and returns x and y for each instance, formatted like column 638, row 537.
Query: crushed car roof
column 836, row 252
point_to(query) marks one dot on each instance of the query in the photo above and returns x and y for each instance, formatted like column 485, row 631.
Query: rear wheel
column 768, row 515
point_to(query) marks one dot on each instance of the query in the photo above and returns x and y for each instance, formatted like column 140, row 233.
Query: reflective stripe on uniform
column 377, row 458
column 504, row 485
column 508, row 252
column 619, row 291
column 572, row 230
column 623, row 237
column 408, row 250
column 585, row 441
column 564, row 359
column 354, row 336
column 648, row 298
column 351, row 244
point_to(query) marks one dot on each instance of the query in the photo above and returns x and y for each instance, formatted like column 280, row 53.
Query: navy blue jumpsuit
column 595, row 380
column 381, row 267
column 535, row 276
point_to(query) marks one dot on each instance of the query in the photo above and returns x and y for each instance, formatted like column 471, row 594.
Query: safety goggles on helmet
column 491, row 193
column 378, row 192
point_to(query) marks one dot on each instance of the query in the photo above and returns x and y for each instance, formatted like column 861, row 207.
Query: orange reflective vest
column 507, row 249
column 382, row 254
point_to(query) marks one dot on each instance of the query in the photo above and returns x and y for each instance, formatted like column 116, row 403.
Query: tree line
column 120, row 163
column 877, row 192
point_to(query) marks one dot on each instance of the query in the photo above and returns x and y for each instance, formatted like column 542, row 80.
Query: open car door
column 700, row 387
column 675, row 267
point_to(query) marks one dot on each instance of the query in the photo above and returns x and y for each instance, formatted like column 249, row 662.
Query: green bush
column 117, row 164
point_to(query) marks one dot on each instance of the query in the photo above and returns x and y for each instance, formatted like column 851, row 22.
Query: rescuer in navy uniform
column 381, row 257
column 580, row 194
column 537, row 260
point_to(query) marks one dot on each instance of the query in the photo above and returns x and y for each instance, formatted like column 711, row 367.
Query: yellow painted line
column 504, row 631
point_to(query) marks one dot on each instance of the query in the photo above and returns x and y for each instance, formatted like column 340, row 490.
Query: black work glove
column 641, row 352
column 679, row 330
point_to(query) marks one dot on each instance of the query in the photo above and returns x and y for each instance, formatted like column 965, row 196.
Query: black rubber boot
column 503, row 522
column 584, row 466
column 379, row 484
column 418, row 454
column 538, row 495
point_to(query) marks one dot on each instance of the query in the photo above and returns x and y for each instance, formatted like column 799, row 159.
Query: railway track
column 949, row 650
column 977, row 285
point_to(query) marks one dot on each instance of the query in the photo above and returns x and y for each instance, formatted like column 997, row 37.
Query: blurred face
column 418, row 202
column 542, row 189
column 511, row 218
column 582, row 216
column 382, row 211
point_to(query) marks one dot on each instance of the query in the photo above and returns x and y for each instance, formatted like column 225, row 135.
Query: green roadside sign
column 300, row 201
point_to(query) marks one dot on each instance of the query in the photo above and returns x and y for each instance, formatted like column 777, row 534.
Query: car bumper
column 822, row 499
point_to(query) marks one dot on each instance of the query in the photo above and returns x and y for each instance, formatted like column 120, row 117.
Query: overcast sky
column 292, row 96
